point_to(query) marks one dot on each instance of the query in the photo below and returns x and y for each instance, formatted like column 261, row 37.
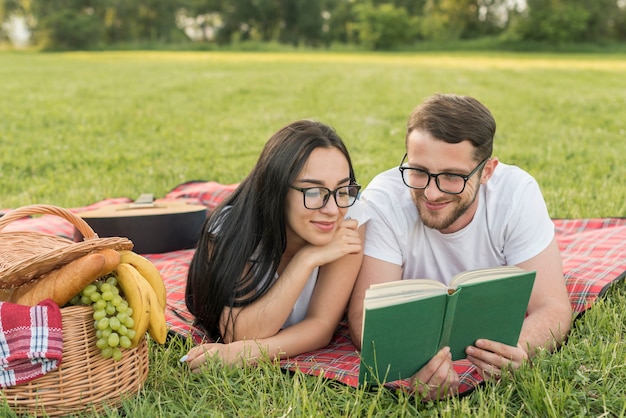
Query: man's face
column 438, row 210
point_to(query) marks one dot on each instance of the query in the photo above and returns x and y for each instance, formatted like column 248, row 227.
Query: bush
column 553, row 22
column 69, row 29
column 384, row 26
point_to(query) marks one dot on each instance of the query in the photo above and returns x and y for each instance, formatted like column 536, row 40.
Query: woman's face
column 325, row 167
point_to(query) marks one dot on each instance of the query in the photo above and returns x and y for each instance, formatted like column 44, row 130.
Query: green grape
column 105, row 287
column 114, row 339
column 95, row 296
column 123, row 307
column 117, row 354
column 129, row 322
column 85, row 300
column 99, row 314
column 122, row 317
column 107, row 352
column 114, row 323
column 110, row 309
column 89, row 290
column 100, row 304
column 131, row 333
column 125, row 341
column 116, row 300
column 122, row 330
column 103, row 323
column 106, row 332
column 102, row 343
column 112, row 280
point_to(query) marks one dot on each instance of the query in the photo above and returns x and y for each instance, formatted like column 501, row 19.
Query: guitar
column 153, row 227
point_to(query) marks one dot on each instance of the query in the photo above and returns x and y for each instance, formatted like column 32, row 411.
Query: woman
column 276, row 262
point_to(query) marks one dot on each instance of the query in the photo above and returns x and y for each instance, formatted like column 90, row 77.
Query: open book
column 406, row 322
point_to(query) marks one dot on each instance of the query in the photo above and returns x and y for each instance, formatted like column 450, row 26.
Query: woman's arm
column 326, row 309
column 264, row 317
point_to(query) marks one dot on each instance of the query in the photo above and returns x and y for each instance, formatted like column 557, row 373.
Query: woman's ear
column 488, row 169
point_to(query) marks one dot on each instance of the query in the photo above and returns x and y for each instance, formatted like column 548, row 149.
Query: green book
column 406, row 322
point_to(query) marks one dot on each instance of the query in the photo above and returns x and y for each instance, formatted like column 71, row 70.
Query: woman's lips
column 324, row 226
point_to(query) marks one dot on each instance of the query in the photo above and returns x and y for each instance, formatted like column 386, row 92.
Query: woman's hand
column 346, row 240
column 236, row 353
column 492, row 358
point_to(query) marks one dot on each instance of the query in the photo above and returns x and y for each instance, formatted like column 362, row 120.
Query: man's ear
column 488, row 169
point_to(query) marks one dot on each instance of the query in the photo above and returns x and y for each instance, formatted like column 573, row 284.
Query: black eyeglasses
column 317, row 197
column 450, row 183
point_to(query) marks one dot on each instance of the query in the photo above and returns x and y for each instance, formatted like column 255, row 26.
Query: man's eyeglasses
column 450, row 183
column 317, row 197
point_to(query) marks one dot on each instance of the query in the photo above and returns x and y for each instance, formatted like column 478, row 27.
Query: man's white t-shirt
column 511, row 225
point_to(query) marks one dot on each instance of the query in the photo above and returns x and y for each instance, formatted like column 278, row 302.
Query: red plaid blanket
column 31, row 341
column 593, row 250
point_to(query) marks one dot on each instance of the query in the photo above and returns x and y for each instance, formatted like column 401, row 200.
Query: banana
column 157, row 327
column 149, row 272
column 131, row 283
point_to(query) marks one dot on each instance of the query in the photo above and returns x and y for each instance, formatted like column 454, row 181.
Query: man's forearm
column 545, row 329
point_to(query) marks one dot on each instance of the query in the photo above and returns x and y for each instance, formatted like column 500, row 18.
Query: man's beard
column 442, row 223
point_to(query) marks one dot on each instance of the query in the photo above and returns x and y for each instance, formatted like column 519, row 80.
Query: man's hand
column 437, row 379
column 493, row 358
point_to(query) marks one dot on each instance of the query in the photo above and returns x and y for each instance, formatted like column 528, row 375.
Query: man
column 453, row 207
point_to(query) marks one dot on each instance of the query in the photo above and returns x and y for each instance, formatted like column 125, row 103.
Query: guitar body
column 155, row 228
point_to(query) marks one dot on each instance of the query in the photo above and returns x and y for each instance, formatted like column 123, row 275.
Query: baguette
column 62, row 284
column 112, row 260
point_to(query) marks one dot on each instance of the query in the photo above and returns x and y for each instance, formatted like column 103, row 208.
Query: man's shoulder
column 386, row 187
column 507, row 173
column 387, row 195
column 509, row 180
column 388, row 180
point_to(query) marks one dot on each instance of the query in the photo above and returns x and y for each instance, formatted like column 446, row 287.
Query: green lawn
column 76, row 128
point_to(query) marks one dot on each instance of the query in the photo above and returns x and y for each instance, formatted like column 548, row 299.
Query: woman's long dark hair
column 222, row 273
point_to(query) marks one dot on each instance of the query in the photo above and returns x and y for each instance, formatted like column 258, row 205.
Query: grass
column 80, row 127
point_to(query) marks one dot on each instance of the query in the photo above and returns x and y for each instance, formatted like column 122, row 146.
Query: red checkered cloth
column 31, row 341
column 593, row 251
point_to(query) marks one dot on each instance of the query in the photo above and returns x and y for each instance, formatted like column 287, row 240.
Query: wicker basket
column 25, row 255
column 85, row 381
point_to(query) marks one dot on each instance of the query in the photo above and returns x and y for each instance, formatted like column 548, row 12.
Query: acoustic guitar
column 153, row 227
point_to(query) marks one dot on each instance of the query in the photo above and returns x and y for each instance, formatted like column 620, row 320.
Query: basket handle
column 25, row 211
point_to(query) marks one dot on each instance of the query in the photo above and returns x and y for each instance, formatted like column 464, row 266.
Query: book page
column 407, row 285
column 486, row 274
column 385, row 294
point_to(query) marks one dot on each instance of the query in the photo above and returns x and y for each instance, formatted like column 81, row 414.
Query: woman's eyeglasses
column 317, row 197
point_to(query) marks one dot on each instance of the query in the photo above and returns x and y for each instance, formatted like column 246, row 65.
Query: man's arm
column 372, row 271
column 549, row 309
column 548, row 319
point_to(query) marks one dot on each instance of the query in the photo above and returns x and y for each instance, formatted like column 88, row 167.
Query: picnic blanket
column 593, row 251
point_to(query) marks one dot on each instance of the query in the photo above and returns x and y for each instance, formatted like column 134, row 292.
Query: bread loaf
column 64, row 283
